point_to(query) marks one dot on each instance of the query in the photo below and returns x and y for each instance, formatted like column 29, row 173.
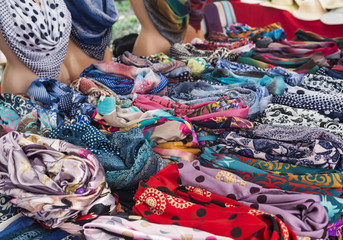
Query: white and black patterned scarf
column 38, row 35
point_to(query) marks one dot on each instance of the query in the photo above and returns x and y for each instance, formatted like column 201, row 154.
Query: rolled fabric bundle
column 329, row 105
column 282, row 115
column 170, row 17
column 92, row 25
column 191, row 93
column 123, row 79
column 126, row 156
column 299, row 145
column 162, row 199
column 52, row 181
column 302, row 212
column 187, row 51
column 37, row 34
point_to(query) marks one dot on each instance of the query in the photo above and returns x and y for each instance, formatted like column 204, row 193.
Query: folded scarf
column 123, row 79
column 126, row 156
column 282, row 115
column 188, row 51
column 170, row 17
column 299, row 145
column 38, row 35
column 287, row 206
column 291, row 77
column 51, row 180
column 326, row 104
column 275, row 85
column 94, row 90
column 173, row 69
column 92, row 25
column 59, row 97
column 272, row 175
column 191, row 93
column 107, row 228
column 161, row 199
column 322, row 83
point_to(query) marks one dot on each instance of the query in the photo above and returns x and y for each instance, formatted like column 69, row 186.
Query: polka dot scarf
column 38, row 35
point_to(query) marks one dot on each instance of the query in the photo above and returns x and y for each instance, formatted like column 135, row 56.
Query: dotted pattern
column 326, row 104
column 38, row 35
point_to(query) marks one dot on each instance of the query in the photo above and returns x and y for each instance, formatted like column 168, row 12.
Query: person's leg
column 149, row 40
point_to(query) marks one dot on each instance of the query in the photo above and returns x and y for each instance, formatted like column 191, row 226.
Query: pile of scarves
column 236, row 136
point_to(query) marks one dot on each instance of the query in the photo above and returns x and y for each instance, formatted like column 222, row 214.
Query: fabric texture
column 170, row 17
column 123, row 79
column 162, row 199
column 92, row 25
column 292, row 78
column 326, row 104
column 322, row 83
column 38, row 35
column 188, row 51
column 51, row 180
column 126, row 156
column 107, row 227
column 191, row 93
column 260, row 173
column 174, row 69
column 287, row 206
column 60, row 97
column 282, row 115
column 305, row 146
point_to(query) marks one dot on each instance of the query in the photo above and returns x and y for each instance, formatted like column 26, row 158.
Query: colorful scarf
column 94, row 90
column 245, row 31
column 192, row 93
column 197, row 13
column 92, row 25
column 123, row 79
column 132, row 226
column 318, row 181
column 51, row 180
column 37, row 34
column 302, row 35
column 59, row 97
column 170, row 17
column 126, row 156
column 275, row 85
column 173, row 69
column 162, row 199
column 303, row 213
column 212, row 45
column 292, row 78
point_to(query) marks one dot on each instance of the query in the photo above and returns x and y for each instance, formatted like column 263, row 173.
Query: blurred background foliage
column 127, row 22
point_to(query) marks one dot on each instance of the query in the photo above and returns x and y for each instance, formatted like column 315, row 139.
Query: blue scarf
column 92, row 25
